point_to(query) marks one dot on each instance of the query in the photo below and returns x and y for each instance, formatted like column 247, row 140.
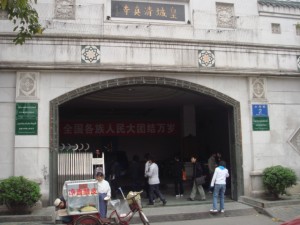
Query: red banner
column 134, row 128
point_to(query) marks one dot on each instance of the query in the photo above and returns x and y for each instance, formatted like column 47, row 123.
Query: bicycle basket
column 121, row 206
column 134, row 196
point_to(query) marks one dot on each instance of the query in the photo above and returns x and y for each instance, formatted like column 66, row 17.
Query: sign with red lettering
column 106, row 128
column 82, row 192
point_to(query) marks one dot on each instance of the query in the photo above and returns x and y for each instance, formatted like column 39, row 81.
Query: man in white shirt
column 219, row 183
column 153, row 180
column 104, row 194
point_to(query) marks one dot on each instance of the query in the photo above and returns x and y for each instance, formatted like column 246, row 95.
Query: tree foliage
column 24, row 17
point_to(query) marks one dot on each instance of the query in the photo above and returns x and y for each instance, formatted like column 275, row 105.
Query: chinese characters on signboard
column 143, row 10
column 134, row 128
column 82, row 192
column 26, row 118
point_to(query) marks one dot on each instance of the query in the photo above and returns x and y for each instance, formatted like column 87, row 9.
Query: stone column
column 188, row 121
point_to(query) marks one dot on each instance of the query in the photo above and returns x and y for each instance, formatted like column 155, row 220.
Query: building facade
column 166, row 77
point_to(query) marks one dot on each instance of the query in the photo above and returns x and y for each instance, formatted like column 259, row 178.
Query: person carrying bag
column 197, row 173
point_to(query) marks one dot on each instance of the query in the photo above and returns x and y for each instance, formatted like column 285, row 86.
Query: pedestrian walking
column 211, row 163
column 177, row 175
column 197, row 173
column 135, row 172
column 218, row 182
column 153, row 180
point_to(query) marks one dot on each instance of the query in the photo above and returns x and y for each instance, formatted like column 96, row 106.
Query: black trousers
column 154, row 190
column 178, row 184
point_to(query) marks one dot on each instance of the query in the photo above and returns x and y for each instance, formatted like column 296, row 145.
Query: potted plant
column 19, row 194
column 276, row 179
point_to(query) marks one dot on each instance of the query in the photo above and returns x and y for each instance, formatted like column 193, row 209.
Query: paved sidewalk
column 182, row 210
column 282, row 210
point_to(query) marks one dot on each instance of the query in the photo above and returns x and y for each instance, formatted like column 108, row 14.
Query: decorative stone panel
column 90, row 54
column 225, row 15
column 65, row 9
column 206, row 58
column 276, row 28
column 298, row 29
column 295, row 140
column 258, row 89
column 27, row 85
column 298, row 62
column 3, row 15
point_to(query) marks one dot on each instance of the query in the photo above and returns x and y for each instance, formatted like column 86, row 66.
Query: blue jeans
column 219, row 190
column 102, row 205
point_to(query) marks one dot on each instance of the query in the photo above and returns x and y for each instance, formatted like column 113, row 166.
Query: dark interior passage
column 201, row 124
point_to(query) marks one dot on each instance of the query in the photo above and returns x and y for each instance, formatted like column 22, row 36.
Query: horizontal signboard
column 147, row 10
column 260, row 123
column 125, row 128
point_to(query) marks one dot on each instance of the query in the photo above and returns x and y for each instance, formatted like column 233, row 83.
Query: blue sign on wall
column 260, row 110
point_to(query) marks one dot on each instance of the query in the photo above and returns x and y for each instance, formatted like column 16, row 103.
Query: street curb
column 267, row 204
column 194, row 216
column 45, row 215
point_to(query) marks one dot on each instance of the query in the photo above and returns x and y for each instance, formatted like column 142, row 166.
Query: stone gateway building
column 131, row 77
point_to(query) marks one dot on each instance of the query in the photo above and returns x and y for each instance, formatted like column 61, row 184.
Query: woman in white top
column 219, row 183
column 104, row 192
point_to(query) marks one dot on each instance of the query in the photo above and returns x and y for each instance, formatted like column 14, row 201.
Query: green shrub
column 277, row 178
column 19, row 193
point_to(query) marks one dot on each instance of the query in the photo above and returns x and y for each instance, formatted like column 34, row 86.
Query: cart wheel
column 144, row 218
column 87, row 219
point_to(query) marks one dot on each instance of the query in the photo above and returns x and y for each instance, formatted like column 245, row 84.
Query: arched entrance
column 222, row 107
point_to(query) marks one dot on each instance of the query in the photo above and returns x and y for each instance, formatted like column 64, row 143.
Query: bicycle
column 125, row 209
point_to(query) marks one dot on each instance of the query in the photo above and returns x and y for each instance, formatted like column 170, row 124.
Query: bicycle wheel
column 87, row 219
column 144, row 218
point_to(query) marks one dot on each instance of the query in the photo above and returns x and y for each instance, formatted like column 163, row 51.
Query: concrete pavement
column 257, row 219
column 179, row 209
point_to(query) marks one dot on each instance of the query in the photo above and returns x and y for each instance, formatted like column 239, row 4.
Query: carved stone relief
column 90, row 54
column 206, row 58
column 298, row 62
column 65, row 9
column 276, row 28
column 295, row 140
column 225, row 15
column 3, row 15
column 258, row 89
column 27, row 85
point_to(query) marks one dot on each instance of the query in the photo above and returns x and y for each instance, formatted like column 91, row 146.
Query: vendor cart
column 83, row 205
column 83, row 202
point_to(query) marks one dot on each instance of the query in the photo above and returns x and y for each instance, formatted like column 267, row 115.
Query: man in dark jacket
column 177, row 174
column 197, row 172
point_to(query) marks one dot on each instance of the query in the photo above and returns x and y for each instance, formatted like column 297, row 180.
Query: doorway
column 156, row 101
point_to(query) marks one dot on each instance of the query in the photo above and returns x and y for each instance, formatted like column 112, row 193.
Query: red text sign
column 134, row 128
